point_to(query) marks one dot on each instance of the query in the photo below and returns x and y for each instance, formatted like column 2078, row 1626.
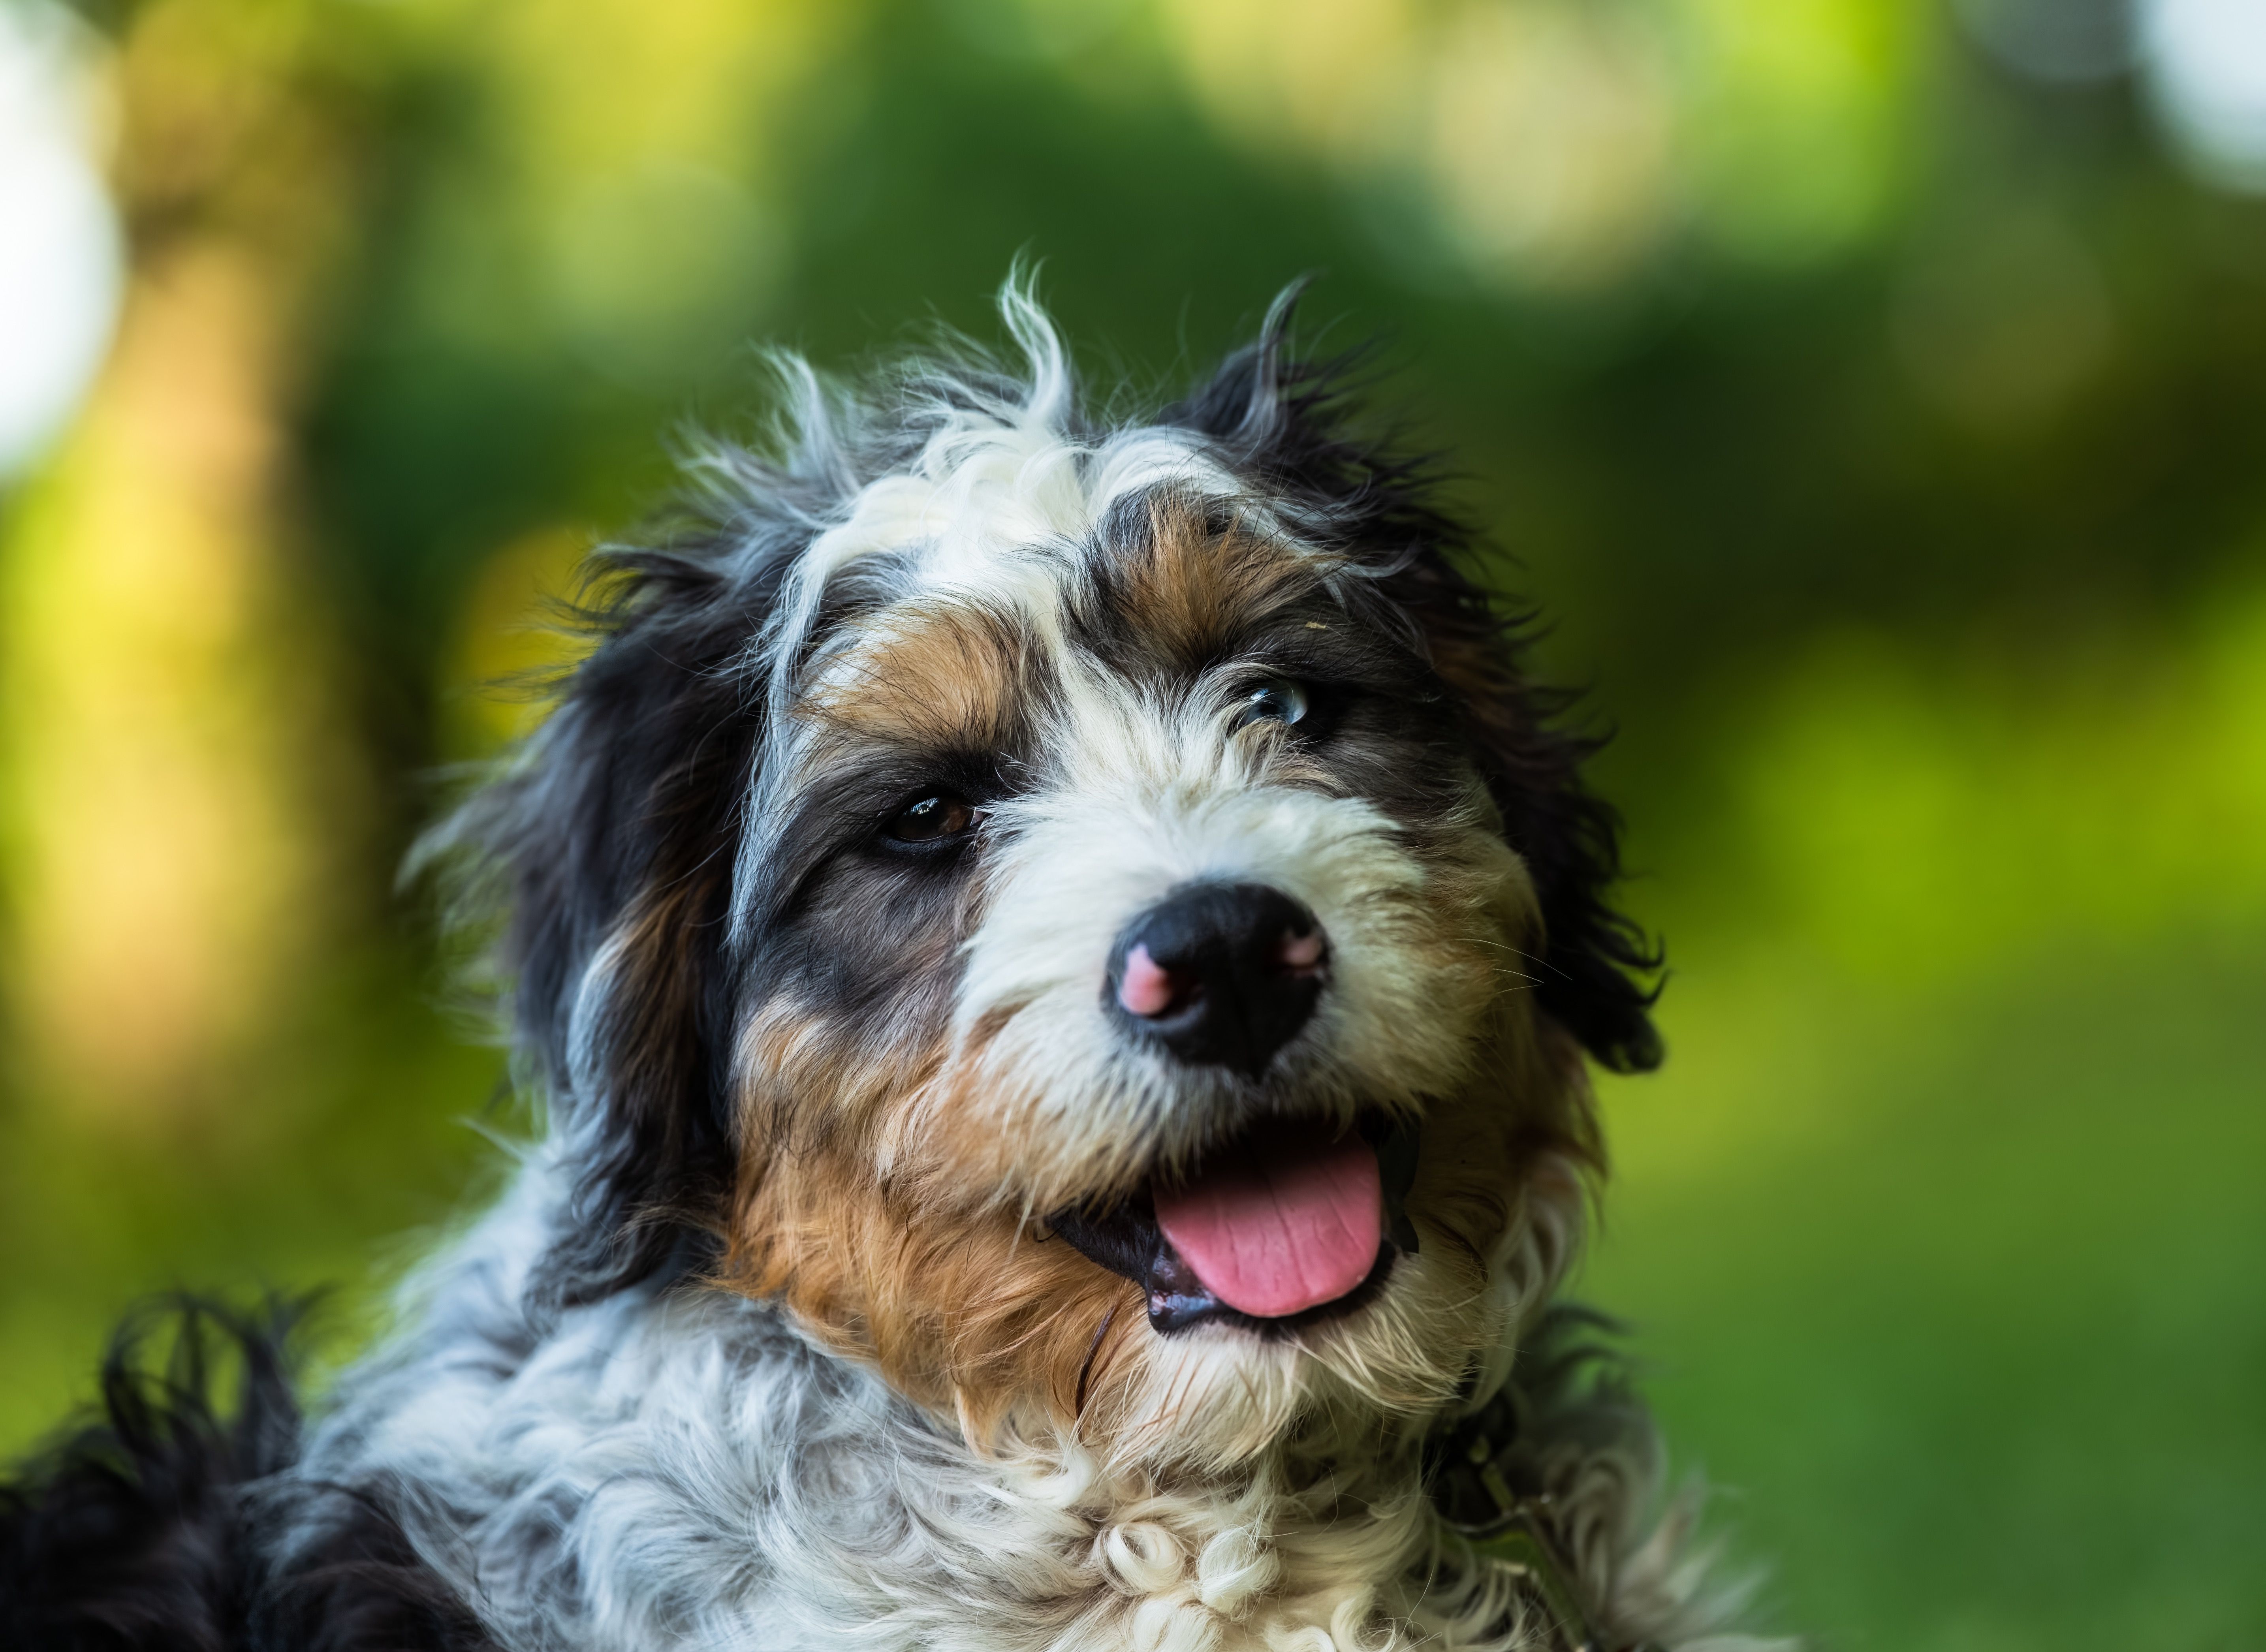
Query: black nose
column 1222, row 975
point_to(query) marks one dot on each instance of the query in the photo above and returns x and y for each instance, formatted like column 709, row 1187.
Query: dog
column 1058, row 958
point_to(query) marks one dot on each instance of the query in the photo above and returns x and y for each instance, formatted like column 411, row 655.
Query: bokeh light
column 59, row 249
column 1562, row 145
column 1871, row 392
column 2072, row 42
column 2207, row 68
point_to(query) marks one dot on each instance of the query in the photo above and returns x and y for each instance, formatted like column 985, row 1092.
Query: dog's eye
column 933, row 819
column 1276, row 699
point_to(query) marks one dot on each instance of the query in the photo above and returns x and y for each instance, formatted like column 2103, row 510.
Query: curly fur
column 769, row 1343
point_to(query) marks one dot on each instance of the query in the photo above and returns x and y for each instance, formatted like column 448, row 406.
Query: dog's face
column 1089, row 921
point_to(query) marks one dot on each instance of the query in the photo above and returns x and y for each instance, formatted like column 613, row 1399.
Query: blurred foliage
column 1884, row 430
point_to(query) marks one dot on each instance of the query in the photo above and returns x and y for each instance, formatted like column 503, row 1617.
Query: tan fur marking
column 965, row 1312
column 1193, row 592
column 946, row 675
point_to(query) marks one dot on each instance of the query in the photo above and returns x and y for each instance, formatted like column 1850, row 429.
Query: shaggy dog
column 1059, row 957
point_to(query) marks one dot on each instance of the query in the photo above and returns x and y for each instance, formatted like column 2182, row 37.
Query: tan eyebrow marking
column 946, row 675
column 1192, row 592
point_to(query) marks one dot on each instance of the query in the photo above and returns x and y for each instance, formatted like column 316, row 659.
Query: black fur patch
column 161, row 1527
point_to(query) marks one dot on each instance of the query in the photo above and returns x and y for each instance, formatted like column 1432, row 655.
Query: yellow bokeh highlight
column 1916, row 822
column 645, row 166
column 1550, row 141
column 513, row 636
column 161, row 705
column 180, row 793
column 1560, row 143
column 1795, row 119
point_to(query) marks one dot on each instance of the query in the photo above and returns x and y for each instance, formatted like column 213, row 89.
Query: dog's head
column 1088, row 915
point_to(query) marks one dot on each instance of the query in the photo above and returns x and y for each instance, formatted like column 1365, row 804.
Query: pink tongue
column 1279, row 1225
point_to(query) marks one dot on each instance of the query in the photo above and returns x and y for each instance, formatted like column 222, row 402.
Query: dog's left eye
column 933, row 819
column 1276, row 699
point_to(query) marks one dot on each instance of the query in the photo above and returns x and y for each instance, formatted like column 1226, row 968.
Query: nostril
column 1146, row 988
column 1219, row 974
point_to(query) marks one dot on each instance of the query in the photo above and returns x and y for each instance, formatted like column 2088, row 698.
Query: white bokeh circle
column 2206, row 64
column 60, row 245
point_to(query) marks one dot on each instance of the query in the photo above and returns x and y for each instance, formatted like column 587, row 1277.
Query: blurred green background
column 1872, row 394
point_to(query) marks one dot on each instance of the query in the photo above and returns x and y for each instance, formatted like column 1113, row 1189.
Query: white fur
column 684, row 1469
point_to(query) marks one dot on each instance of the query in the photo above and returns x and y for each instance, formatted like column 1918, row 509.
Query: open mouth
column 1278, row 1228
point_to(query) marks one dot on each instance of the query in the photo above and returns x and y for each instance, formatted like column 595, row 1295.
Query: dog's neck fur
column 683, row 1468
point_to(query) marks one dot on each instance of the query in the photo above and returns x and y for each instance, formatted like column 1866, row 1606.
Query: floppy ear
column 1594, row 960
column 610, row 839
column 1285, row 423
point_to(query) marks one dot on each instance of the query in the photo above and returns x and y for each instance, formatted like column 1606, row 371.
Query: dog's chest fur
column 684, row 1468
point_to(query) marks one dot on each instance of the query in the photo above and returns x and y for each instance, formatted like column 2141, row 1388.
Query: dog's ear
column 1285, row 423
column 608, row 841
column 1597, row 966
